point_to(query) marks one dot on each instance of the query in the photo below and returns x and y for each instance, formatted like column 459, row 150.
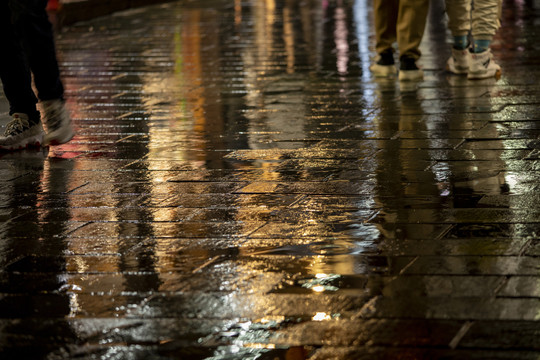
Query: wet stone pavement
column 241, row 187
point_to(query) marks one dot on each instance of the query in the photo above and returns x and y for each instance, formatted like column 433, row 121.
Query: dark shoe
column 384, row 67
column 408, row 71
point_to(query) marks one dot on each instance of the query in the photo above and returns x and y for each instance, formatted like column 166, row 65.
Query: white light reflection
column 362, row 21
column 342, row 46
column 321, row 316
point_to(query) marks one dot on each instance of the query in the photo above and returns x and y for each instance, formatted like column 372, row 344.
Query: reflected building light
column 361, row 19
column 237, row 12
column 318, row 288
column 264, row 22
column 288, row 36
column 340, row 36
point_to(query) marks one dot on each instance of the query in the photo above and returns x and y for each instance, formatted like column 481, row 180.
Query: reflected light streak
column 362, row 21
column 288, row 36
column 237, row 11
column 342, row 45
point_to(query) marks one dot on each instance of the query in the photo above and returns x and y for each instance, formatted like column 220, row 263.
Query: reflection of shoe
column 459, row 61
column 20, row 134
column 384, row 67
column 408, row 71
column 408, row 86
column 57, row 121
column 482, row 66
column 24, row 159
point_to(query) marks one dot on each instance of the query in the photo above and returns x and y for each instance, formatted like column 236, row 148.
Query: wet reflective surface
column 240, row 187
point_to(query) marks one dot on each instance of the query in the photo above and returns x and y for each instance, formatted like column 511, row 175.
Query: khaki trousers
column 401, row 21
column 479, row 17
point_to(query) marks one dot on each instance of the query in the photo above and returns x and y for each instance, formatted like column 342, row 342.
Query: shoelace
column 16, row 126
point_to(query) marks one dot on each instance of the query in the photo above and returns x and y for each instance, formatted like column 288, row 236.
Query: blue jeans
column 27, row 42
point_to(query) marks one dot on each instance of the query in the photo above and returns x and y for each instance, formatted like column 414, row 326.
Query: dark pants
column 27, row 43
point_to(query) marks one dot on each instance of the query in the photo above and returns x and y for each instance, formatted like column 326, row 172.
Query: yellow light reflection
column 318, row 288
column 269, row 319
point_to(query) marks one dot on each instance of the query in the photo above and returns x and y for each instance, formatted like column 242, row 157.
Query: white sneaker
column 458, row 63
column 482, row 66
column 19, row 134
column 408, row 70
column 57, row 122
column 384, row 67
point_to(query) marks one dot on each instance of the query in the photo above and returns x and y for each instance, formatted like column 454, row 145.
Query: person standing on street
column 473, row 24
column 27, row 41
column 404, row 22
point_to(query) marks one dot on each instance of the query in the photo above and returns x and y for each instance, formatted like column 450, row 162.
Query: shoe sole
column 457, row 71
column 56, row 140
column 485, row 75
column 383, row 71
column 411, row 75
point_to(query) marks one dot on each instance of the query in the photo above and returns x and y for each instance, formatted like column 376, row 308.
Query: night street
column 241, row 187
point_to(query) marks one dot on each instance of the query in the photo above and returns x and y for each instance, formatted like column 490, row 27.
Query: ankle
column 461, row 42
column 479, row 46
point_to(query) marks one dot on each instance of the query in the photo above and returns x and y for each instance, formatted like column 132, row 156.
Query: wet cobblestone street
column 241, row 187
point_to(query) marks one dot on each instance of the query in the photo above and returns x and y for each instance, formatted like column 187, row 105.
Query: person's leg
column 25, row 127
column 14, row 70
column 385, row 17
column 459, row 23
column 485, row 23
column 35, row 31
column 411, row 24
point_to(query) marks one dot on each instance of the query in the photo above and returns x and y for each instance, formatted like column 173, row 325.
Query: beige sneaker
column 384, row 67
column 57, row 121
column 458, row 63
column 19, row 134
column 408, row 70
column 482, row 66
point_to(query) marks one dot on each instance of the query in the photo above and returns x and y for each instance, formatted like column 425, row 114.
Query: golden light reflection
column 288, row 36
column 318, row 288
column 269, row 319
column 237, row 11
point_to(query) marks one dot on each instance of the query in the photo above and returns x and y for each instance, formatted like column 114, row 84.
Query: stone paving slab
column 241, row 187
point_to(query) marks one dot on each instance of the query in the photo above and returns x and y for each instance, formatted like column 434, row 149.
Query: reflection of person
column 28, row 48
column 480, row 20
column 403, row 21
